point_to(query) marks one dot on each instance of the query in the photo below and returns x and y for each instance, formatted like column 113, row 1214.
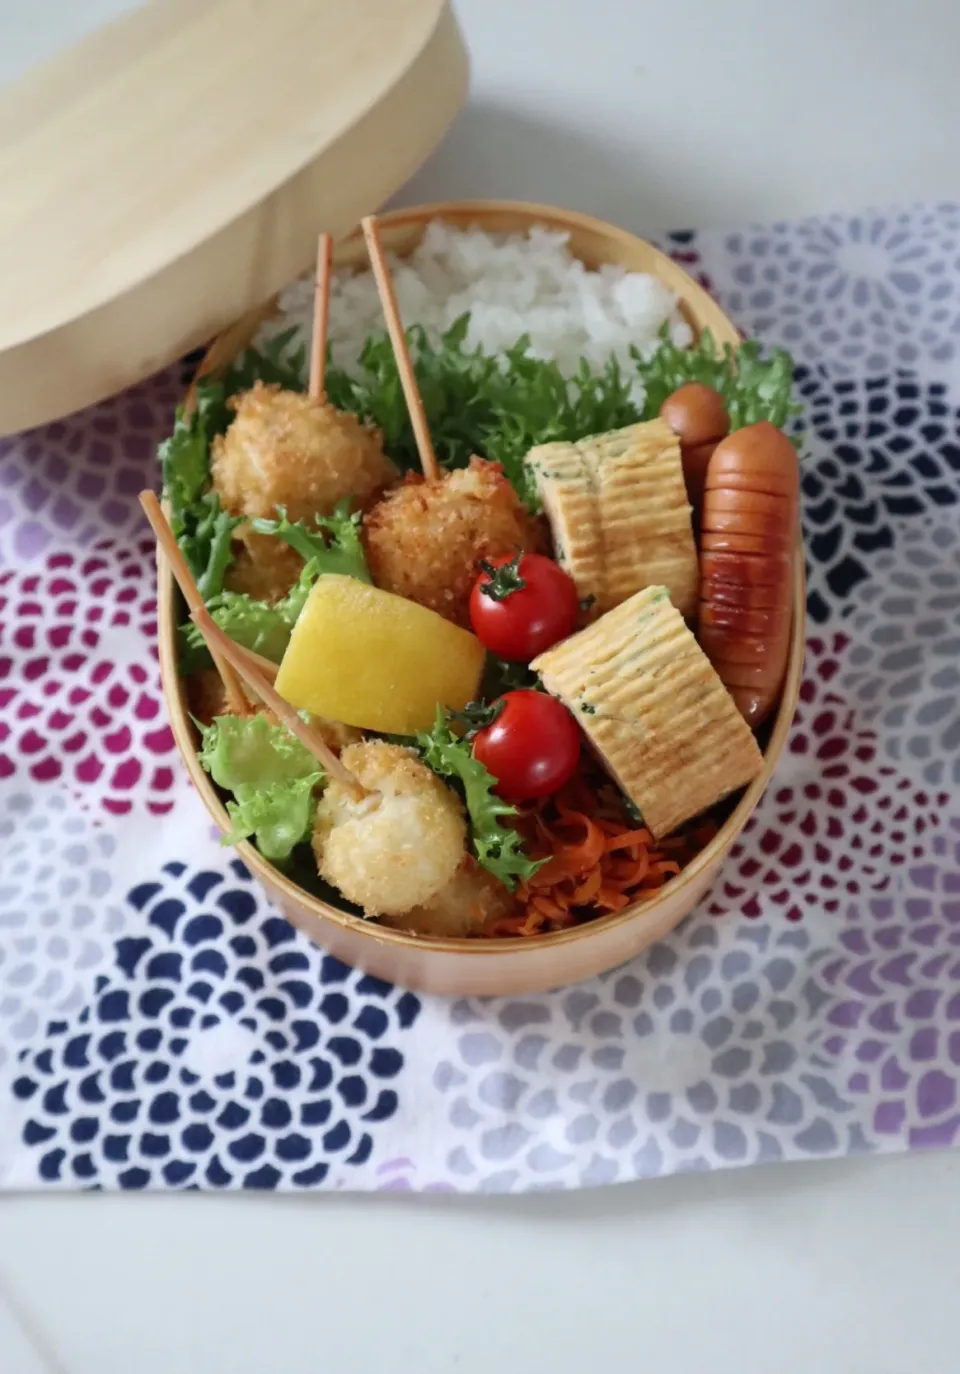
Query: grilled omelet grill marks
column 620, row 515
column 652, row 706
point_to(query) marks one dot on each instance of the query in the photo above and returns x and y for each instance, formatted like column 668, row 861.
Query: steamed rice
column 510, row 284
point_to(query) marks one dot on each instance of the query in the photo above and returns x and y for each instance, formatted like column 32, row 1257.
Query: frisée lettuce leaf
column 278, row 817
column 273, row 779
column 333, row 545
column 254, row 624
column 531, row 402
column 202, row 529
column 452, row 384
column 477, row 403
column 281, row 360
column 498, row 847
column 501, row 407
column 754, row 386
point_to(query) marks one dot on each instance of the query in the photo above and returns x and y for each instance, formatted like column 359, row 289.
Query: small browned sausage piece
column 696, row 414
column 698, row 417
column 751, row 508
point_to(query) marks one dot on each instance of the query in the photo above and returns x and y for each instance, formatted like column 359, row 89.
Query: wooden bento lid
column 172, row 171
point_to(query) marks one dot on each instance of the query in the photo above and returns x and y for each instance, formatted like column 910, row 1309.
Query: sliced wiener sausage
column 698, row 417
column 749, row 527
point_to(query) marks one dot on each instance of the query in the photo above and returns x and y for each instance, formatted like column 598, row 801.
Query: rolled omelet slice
column 645, row 516
column 618, row 508
column 654, row 709
column 566, row 485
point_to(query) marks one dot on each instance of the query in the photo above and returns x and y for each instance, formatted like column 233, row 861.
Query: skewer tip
column 321, row 316
column 408, row 379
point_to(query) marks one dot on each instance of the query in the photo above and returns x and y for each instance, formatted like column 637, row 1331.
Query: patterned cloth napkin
column 162, row 1027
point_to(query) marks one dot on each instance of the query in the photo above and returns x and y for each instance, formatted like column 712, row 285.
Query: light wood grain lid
column 172, row 171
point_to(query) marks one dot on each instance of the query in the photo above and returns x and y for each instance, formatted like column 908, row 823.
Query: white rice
column 511, row 284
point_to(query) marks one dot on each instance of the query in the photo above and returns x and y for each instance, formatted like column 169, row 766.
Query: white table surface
column 654, row 114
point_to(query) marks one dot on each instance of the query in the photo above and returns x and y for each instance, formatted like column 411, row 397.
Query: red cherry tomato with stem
column 532, row 747
column 522, row 604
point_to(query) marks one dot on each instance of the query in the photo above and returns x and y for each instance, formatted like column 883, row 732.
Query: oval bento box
column 500, row 966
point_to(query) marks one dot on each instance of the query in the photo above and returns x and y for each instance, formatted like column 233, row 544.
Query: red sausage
column 750, row 522
column 698, row 417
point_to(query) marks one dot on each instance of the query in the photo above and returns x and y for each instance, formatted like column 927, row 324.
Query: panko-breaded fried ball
column 425, row 540
column 285, row 449
column 392, row 852
column 469, row 904
column 263, row 567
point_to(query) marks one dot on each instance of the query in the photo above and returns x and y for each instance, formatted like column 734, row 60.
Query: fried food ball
column 335, row 734
column 425, row 540
column 263, row 567
column 469, row 904
column 206, row 699
column 396, row 850
column 286, row 449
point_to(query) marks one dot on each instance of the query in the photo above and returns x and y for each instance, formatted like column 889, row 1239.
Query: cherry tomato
column 524, row 606
column 532, row 747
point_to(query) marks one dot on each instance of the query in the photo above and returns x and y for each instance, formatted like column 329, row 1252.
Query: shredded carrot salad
column 597, row 859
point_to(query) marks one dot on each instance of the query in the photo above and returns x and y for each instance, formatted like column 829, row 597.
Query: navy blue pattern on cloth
column 877, row 450
column 222, row 1052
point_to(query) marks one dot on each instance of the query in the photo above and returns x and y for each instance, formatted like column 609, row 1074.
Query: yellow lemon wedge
column 377, row 661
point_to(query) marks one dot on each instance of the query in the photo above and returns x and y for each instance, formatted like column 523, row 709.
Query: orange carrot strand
column 595, row 859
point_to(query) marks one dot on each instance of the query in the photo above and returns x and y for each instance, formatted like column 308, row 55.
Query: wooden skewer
column 321, row 314
column 236, row 700
column 265, row 665
column 408, row 380
column 310, row 738
column 233, row 661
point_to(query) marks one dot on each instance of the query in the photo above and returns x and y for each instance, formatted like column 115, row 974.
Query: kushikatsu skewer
column 236, row 700
column 321, row 315
column 234, row 663
column 291, row 448
column 425, row 539
column 240, row 659
column 408, row 380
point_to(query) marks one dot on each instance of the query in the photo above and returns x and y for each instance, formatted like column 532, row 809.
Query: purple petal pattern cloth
column 161, row 1026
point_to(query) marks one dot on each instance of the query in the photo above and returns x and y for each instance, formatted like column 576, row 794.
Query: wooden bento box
column 493, row 966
